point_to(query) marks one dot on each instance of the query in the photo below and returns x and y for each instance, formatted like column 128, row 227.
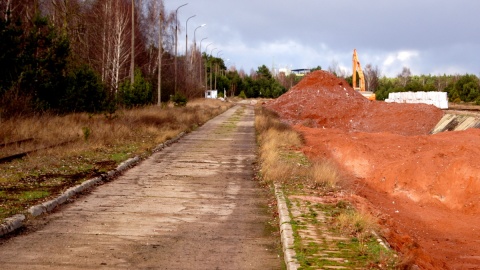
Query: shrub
column 84, row 93
column 140, row 93
column 242, row 95
column 356, row 224
column 179, row 100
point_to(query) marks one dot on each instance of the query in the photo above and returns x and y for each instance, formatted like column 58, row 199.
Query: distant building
column 300, row 72
column 211, row 93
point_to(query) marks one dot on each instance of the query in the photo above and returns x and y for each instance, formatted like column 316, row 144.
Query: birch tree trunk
column 115, row 51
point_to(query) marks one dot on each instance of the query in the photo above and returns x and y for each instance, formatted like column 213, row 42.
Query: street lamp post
column 195, row 40
column 160, row 52
column 200, row 50
column 211, row 78
column 176, row 43
column 186, row 35
column 216, row 69
column 206, row 48
column 194, row 54
column 186, row 77
column 206, row 62
column 200, row 63
column 225, row 74
column 194, row 35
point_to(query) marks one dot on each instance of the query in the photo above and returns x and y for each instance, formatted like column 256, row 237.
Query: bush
column 44, row 64
column 84, row 93
column 140, row 93
column 179, row 100
column 242, row 95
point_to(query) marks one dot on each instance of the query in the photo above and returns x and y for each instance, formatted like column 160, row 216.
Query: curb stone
column 11, row 224
column 286, row 230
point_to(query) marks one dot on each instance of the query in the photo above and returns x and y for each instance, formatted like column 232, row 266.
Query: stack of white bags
column 438, row 99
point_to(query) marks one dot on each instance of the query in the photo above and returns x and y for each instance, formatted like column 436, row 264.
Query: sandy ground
column 424, row 188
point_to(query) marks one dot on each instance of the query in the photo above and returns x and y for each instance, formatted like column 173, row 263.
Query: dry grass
column 277, row 144
column 357, row 224
column 325, row 173
column 281, row 159
column 90, row 131
column 360, row 225
column 93, row 145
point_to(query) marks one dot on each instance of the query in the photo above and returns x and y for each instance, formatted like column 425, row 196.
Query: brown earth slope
column 424, row 187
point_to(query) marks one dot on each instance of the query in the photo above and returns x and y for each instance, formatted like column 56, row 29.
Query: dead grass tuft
column 276, row 139
column 325, row 174
column 356, row 223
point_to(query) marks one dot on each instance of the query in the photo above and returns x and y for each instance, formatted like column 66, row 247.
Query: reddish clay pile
column 322, row 100
column 425, row 187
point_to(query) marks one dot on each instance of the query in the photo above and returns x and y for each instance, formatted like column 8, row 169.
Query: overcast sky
column 427, row 36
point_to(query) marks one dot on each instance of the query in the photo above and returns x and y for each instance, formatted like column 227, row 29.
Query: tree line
column 460, row 88
column 72, row 55
column 97, row 55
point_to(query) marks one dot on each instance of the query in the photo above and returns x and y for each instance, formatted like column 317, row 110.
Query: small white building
column 211, row 93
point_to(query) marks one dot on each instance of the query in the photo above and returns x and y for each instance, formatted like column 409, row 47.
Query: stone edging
column 10, row 224
column 286, row 230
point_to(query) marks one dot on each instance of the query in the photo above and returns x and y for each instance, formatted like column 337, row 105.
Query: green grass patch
column 232, row 122
column 360, row 248
column 33, row 195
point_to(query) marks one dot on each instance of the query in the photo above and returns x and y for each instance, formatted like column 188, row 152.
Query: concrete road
column 193, row 205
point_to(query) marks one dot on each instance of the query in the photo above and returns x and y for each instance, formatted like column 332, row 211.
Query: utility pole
column 200, row 66
column 206, row 67
column 160, row 52
column 176, row 43
column 186, row 37
column 211, row 67
column 132, row 60
column 216, row 68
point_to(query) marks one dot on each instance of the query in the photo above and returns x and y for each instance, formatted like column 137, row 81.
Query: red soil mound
column 426, row 187
column 322, row 100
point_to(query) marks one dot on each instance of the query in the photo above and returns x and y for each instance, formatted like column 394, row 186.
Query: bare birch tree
column 372, row 75
column 112, row 36
column 404, row 76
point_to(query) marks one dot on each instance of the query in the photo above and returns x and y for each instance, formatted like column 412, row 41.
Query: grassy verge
column 92, row 145
column 328, row 232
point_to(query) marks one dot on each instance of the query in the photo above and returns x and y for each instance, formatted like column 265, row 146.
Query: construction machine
column 357, row 68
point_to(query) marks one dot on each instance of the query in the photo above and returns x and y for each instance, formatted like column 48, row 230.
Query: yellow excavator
column 357, row 68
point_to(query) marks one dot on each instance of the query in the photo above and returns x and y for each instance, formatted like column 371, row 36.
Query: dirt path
column 192, row 206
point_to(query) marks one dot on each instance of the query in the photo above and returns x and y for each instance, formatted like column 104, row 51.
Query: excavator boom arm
column 357, row 68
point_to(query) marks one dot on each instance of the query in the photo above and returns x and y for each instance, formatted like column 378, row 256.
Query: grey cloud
column 443, row 32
